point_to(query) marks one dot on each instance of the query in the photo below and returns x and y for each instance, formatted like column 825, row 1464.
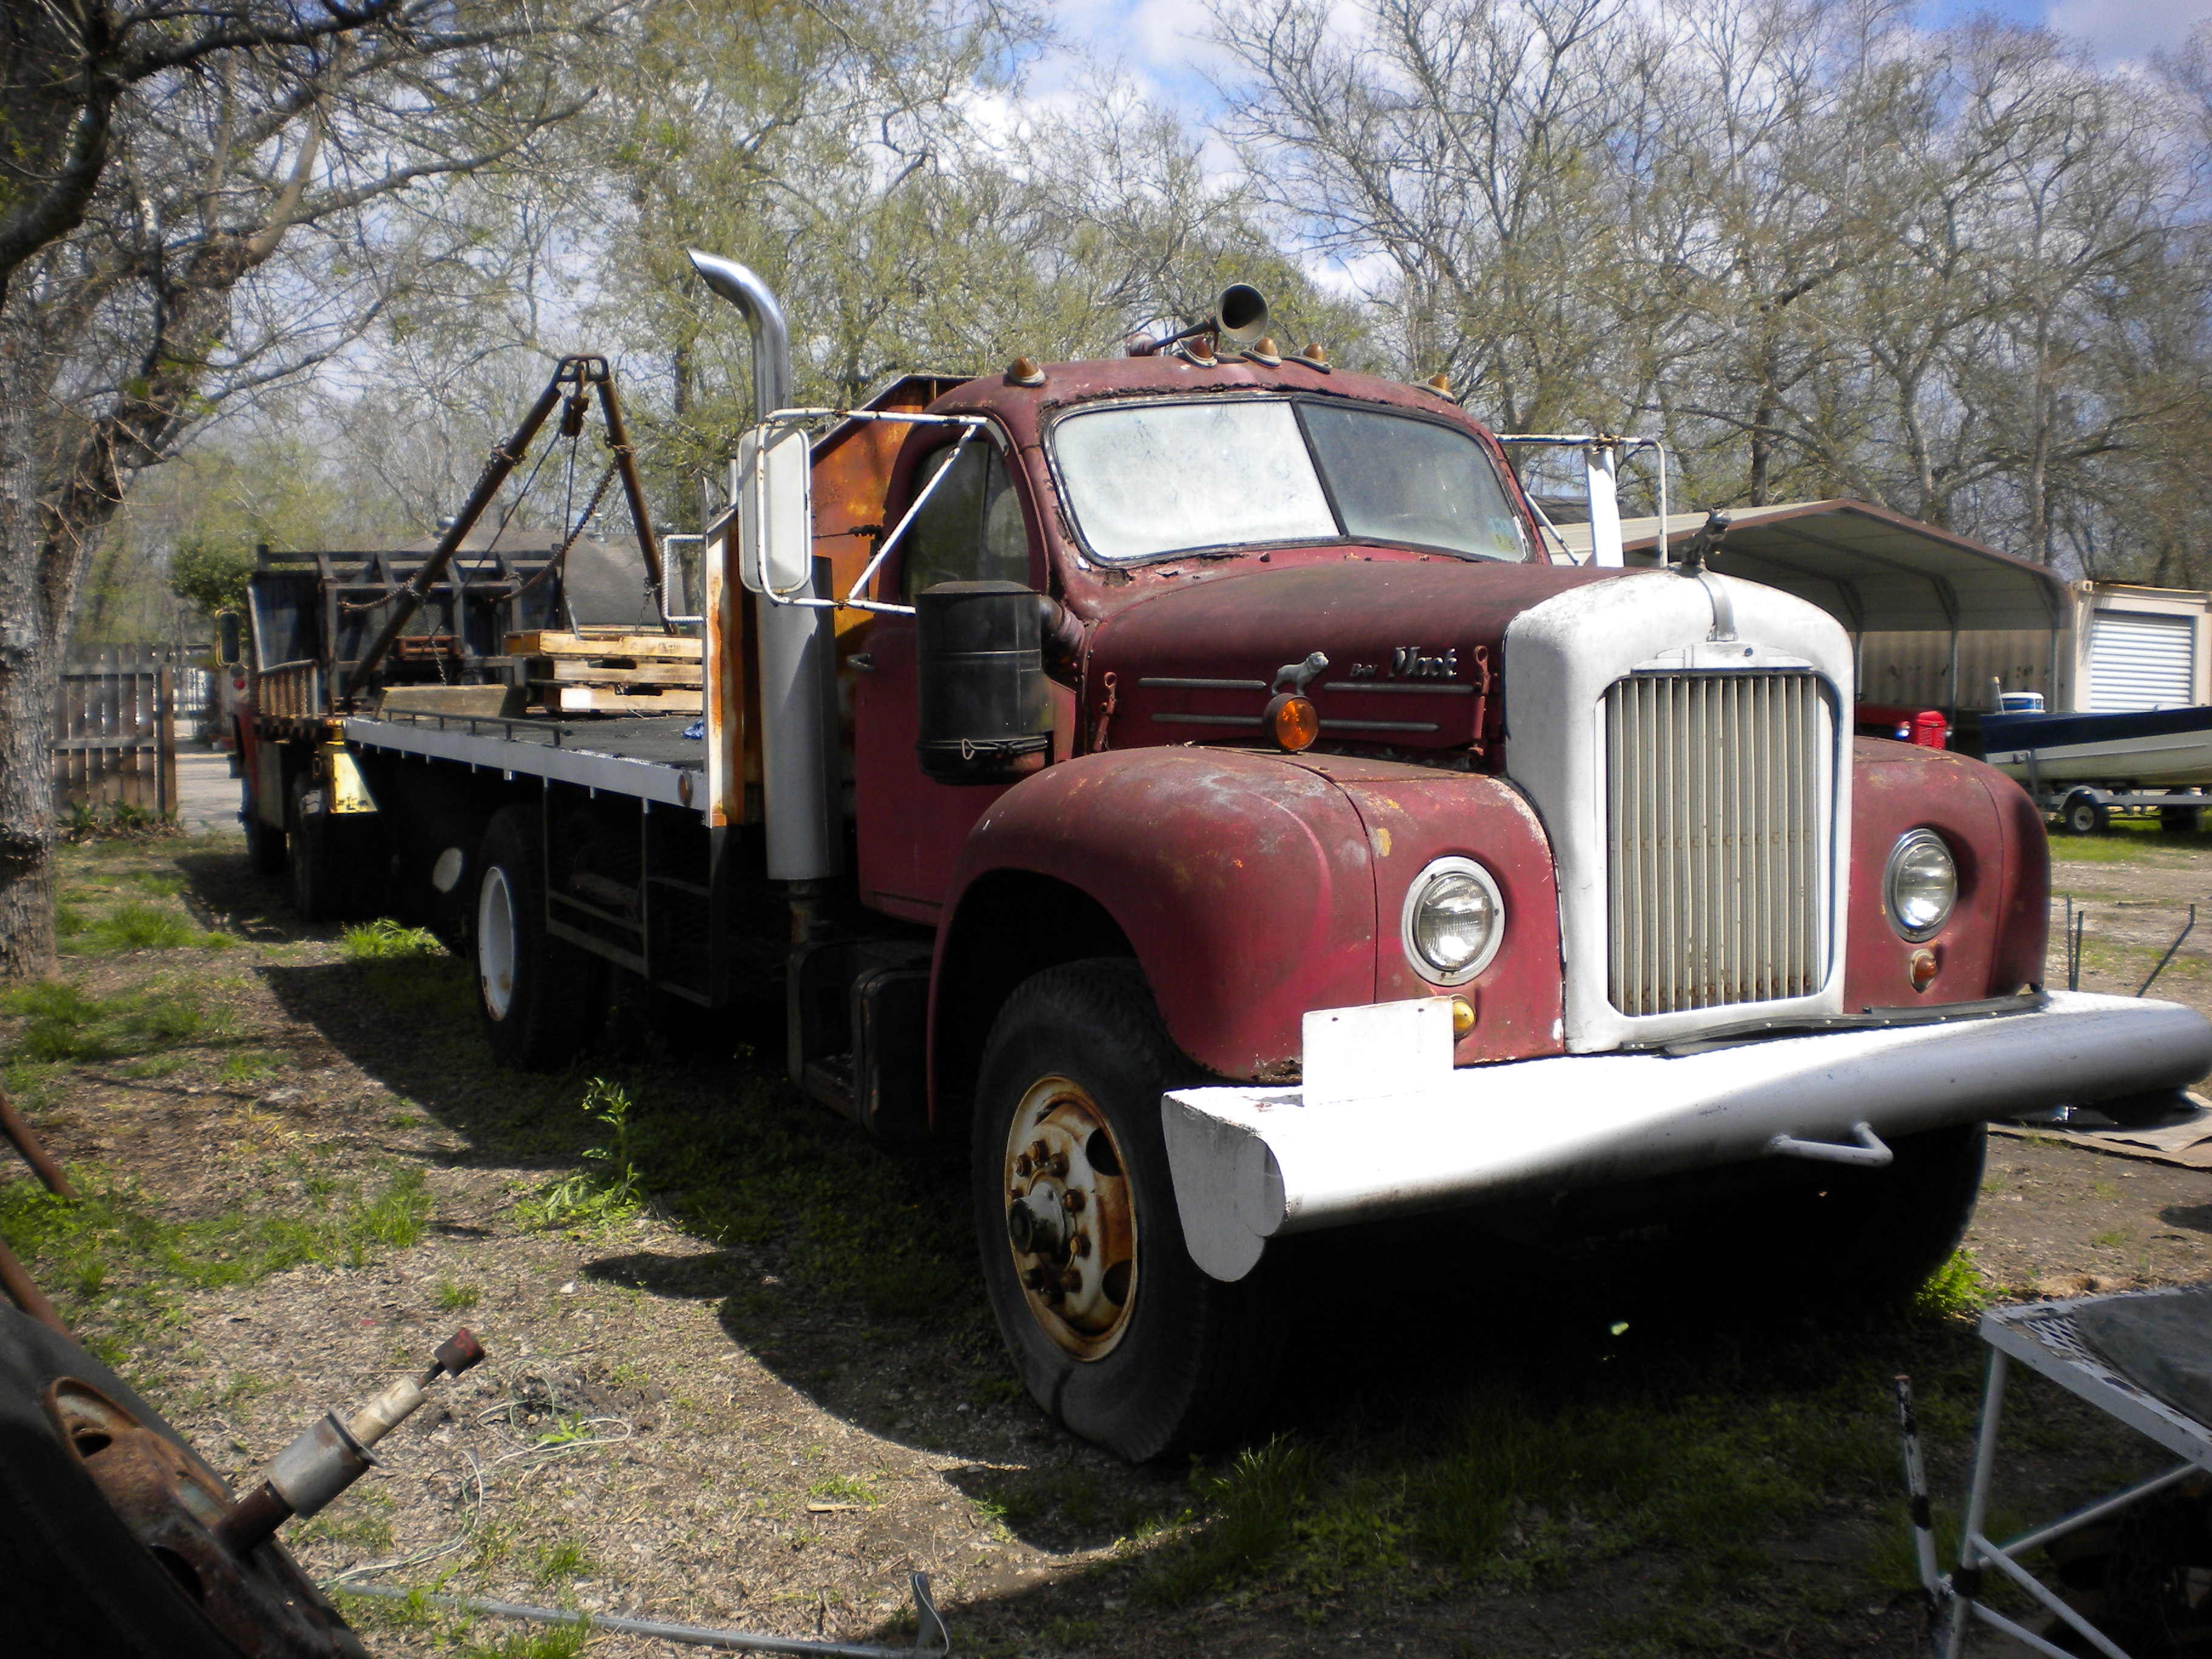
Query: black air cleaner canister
column 985, row 713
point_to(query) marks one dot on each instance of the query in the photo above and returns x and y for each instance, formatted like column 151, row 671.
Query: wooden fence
column 115, row 731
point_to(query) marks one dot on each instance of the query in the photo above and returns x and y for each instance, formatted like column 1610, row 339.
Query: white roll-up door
column 2138, row 659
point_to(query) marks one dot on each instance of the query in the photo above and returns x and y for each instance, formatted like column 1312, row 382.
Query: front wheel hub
column 1070, row 1218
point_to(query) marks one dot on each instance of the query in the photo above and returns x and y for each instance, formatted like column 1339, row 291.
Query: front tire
column 538, row 995
column 1114, row 1330
column 1858, row 1235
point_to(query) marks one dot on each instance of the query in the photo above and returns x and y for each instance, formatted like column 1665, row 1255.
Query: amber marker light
column 1462, row 1017
column 1922, row 969
column 1294, row 721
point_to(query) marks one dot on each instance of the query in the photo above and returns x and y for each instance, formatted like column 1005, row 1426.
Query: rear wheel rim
column 1071, row 1223
column 495, row 943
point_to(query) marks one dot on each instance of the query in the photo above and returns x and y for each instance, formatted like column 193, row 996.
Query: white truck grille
column 1713, row 839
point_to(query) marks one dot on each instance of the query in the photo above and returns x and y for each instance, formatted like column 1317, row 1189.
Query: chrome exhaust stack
column 797, row 639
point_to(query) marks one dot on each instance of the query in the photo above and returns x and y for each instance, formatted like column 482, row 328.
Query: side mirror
column 775, row 512
column 227, row 639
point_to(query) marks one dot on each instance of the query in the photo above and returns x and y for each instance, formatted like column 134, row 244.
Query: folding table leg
column 1967, row 1580
column 1915, row 1487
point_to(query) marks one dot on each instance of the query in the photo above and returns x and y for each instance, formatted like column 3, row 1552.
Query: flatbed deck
column 647, row 756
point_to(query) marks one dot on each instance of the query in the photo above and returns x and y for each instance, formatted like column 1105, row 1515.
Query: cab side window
column 970, row 530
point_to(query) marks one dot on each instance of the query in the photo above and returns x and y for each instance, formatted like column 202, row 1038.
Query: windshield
column 1147, row 479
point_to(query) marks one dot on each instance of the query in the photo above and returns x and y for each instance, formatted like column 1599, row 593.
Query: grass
column 559, row 1561
column 608, row 1189
column 1956, row 1290
column 540, row 1642
column 2129, row 839
column 1514, row 1488
column 842, row 1489
column 63, row 1025
column 110, row 1250
column 141, row 926
column 452, row 1296
column 383, row 939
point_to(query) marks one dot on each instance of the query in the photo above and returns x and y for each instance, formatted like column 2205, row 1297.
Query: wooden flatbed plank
column 597, row 700
column 556, row 642
column 631, row 672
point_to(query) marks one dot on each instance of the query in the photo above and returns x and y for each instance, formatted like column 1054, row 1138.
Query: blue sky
column 1157, row 37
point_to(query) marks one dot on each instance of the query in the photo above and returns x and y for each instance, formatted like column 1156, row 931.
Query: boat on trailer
column 2155, row 748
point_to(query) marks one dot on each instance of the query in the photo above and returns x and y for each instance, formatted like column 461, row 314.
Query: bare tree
column 196, row 202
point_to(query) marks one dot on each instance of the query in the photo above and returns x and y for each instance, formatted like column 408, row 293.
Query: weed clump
column 384, row 938
column 609, row 1189
column 138, row 926
column 116, row 820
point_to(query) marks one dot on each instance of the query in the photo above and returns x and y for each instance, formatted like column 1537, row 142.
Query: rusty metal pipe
column 505, row 457
column 35, row 1153
column 24, row 1292
column 633, row 491
column 331, row 1454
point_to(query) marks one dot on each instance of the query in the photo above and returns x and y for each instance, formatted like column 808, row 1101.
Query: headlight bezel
column 1409, row 913
column 1908, row 843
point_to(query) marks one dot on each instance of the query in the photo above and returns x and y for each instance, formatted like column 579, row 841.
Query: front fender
column 1242, row 881
column 1992, row 943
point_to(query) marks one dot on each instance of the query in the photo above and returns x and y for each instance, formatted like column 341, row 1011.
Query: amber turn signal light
column 1922, row 969
column 1462, row 1017
column 1294, row 721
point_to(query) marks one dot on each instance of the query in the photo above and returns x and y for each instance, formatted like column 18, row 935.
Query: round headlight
column 1921, row 884
column 1453, row 922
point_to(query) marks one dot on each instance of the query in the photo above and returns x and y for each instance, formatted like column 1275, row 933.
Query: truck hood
column 1411, row 650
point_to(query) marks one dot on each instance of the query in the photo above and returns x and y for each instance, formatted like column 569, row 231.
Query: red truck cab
column 1196, row 780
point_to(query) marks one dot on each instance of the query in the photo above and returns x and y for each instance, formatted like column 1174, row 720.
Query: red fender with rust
column 1253, row 887
column 1993, row 942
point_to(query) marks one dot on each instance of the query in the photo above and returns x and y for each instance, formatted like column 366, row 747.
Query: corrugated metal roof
column 1872, row 570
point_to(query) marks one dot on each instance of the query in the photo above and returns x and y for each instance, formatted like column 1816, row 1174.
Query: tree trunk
column 30, row 649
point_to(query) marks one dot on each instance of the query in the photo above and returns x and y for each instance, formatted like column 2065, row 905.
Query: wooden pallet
column 594, row 642
column 621, row 670
column 600, row 700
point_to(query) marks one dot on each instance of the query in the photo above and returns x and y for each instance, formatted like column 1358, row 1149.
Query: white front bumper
column 1250, row 1163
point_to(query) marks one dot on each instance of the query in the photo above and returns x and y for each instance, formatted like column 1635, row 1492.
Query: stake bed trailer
column 1190, row 777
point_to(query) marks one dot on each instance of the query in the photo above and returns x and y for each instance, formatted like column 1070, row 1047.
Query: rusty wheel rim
column 1070, row 1218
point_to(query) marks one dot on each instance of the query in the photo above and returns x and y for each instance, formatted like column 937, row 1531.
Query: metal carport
column 1874, row 570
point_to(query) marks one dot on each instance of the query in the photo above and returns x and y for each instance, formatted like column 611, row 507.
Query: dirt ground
column 741, row 1374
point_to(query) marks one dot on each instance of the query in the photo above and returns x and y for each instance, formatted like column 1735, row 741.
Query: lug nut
column 1072, row 1200
column 1021, row 1163
column 1080, row 1244
column 1071, row 1279
column 1034, row 1278
column 1037, row 1150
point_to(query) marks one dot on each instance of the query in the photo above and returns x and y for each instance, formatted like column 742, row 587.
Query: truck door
column 973, row 528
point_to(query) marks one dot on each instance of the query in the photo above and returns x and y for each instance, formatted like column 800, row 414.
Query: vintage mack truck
column 1196, row 779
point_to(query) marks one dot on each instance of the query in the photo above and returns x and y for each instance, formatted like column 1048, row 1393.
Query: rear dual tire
column 1854, row 1235
column 541, row 999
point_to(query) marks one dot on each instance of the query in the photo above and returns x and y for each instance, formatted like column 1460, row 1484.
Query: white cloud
column 2124, row 29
